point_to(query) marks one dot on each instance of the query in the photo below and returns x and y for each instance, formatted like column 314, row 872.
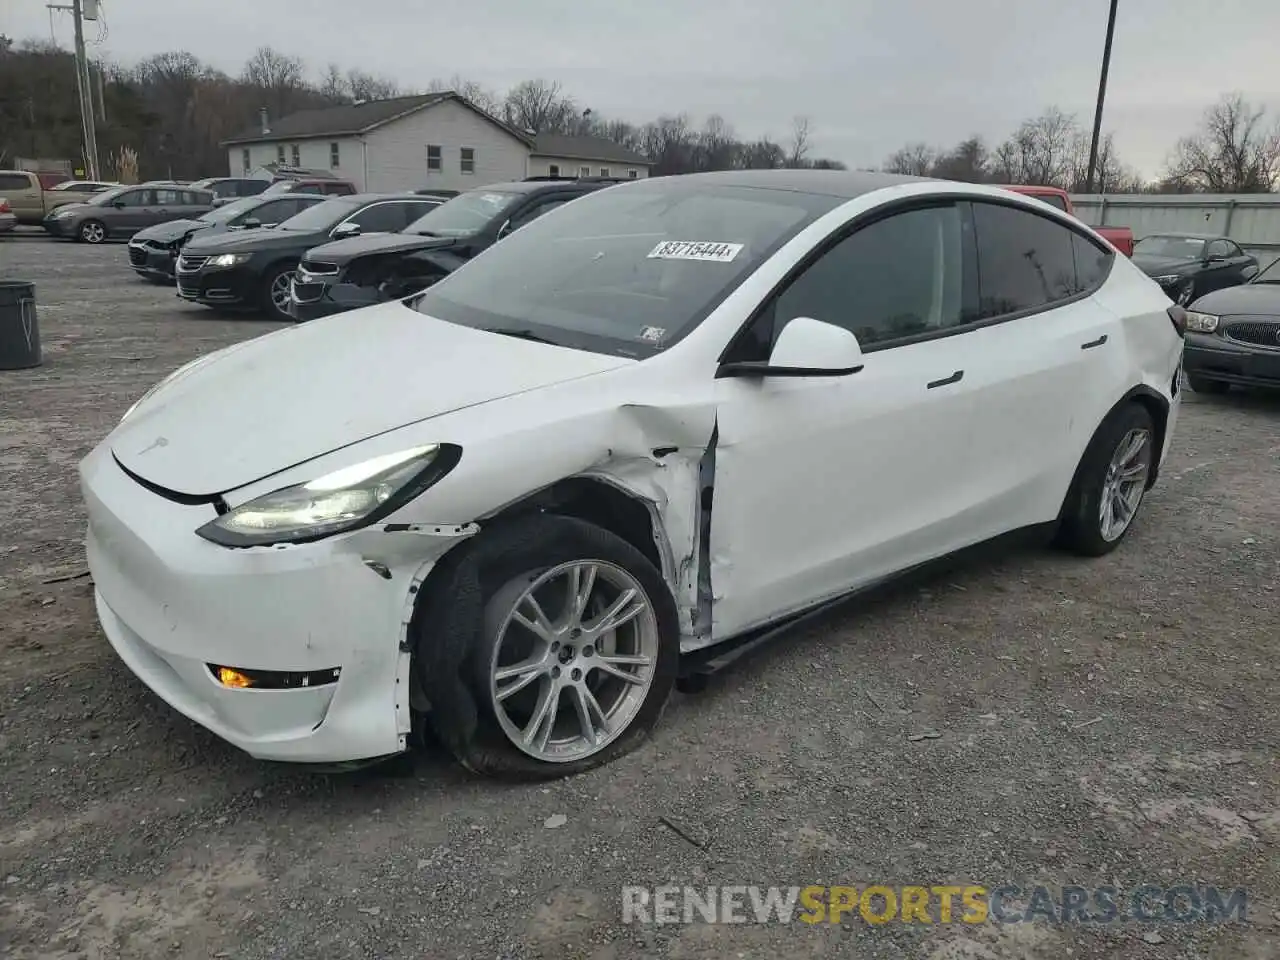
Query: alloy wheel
column 1124, row 484
column 280, row 292
column 574, row 659
column 93, row 233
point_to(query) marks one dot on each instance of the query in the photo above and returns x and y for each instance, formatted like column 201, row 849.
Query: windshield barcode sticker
column 694, row 250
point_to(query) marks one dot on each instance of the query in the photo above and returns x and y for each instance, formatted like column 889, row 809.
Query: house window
column 604, row 171
column 433, row 157
column 335, row 158
column 280, row 153
column 244, row 159
column 295, row 156
column 554, row 170
column 468, row 160
column 632, row 174
column 584, row 171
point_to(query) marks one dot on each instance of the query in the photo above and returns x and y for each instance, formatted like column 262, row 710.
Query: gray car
column 124, row 211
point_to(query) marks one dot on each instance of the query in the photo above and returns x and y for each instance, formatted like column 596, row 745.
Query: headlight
column 167, row 380
column 1201, row 322
column 337, row 502
column 62, row 214
column 228, row 259
column 1167, row 278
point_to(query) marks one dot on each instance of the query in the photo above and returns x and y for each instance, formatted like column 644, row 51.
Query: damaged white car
column 669, row 415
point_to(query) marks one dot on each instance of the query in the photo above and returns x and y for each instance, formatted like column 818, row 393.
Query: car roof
column 843, row 184
column 1186, row 236
column 370, row 197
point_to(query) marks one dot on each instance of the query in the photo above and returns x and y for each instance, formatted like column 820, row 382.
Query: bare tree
column 968, row 161
column 762, row 154
column 365, row 86
column 798, row 151
column 1236, row 150
column 540, row 106
column 333, row 85
column 272, row 70
column 915, row 159
column 472, row 91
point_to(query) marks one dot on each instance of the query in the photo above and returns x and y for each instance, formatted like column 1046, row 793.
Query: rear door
column 1054, row 361
column 166, row 204
column 130, row 211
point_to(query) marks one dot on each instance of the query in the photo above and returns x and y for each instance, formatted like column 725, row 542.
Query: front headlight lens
column 62, row 214
column 1167, row 278
column 228, row 259
column 1201, row 322
column 343, row 500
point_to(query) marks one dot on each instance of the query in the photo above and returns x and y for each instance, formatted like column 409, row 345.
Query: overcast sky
column 872, row 74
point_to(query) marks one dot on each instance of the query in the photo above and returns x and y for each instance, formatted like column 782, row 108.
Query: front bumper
column 153, row 262
column 314, row 297
column 7, row 222
column 172, row 603
column 1217, row 358
column 217, row 286
column 58, row 228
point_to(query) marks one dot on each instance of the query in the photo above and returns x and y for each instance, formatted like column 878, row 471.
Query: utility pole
column 84, row 82
column 1102, row 95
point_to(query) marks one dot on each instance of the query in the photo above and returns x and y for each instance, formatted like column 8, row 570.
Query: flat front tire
column 1110, row 483
column 565, row 646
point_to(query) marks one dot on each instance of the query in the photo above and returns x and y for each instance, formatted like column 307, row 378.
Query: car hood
column 344, row 251
column 262, row 406
column 1155, row 266
column 1250, row 299
column 171, row 230
column 78, row 207
column 249, row 241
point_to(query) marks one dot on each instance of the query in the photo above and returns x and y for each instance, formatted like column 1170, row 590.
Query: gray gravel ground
column 1109, row 721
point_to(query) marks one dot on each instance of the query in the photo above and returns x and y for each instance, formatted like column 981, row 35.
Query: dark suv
column 359, row 272
column 226, row 189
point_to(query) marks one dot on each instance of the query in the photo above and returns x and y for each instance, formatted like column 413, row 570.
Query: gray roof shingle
column 585, row 148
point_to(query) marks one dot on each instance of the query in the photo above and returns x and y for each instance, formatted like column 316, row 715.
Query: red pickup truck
column 1119, row 237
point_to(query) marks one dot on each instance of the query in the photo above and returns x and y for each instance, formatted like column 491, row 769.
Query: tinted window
column 1219, row 248
column 1053, row 199
column 9, row 181
column 533, row 212
column 338, row 189
column 1092, row 262
column 321, row 216
column 273, row 211
column 136, row 198
column 381, row 218
column 1025, row 261
column 1181, row 248
column 894, row 278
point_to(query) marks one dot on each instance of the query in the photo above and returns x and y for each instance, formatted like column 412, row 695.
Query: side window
column 1025, row 261
column 380, row 218
column 137, row 198
column 12, row 181
column 1219, row 248
column 1092, row 262
column 897, row 277
column 1054, row 200
column 1233, row 250
column 167, row 198
column 273, row 211
column 533, row 212
column 413, row 210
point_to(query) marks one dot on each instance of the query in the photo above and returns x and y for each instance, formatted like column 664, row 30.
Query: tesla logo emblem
column 160, row 442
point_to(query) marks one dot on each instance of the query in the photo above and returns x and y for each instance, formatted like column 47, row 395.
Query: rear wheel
column 1204, row 385
column 276, row 293
column 1110, row 483
column 92, row 231
column 572, row 659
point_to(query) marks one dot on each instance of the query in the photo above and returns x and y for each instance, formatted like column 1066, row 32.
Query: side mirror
column 505, row 229
column 345, row 230
column 805, row 348
column 250, row 224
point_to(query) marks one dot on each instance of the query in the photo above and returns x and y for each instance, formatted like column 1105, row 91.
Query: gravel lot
column 1111, row 721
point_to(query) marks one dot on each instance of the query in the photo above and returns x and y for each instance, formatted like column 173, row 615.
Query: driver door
column 825, row 484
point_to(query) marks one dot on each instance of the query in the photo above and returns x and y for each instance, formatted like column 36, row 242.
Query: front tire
column 1110, row 483
column 568, row 651
column 92, row 231
column 276, row 292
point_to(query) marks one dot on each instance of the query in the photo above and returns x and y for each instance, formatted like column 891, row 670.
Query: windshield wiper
column 519, row 334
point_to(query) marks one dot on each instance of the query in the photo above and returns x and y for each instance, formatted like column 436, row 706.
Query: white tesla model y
column 668, row 415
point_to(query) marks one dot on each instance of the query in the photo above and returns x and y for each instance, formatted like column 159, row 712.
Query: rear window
column 627, row 270
column 322, row 216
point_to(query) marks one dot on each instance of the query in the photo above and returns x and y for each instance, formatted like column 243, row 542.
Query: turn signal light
column 233, row 678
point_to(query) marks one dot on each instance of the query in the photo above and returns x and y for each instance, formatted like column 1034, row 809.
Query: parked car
column 30, row 201
column 327, row 186
column 634, row 434
column 226, row 189
column 8, row 219
column 154, row 251
column 253, row 268
column 1189, row 265
column 85, row 186
column 349, row 274
column 124, row 211
column 1119, row 237
column 1233, row 335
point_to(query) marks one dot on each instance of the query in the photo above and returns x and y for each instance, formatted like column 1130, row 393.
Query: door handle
column 1094, row 343
column 946, row 381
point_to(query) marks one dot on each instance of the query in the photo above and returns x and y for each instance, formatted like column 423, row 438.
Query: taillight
column 1179, row 318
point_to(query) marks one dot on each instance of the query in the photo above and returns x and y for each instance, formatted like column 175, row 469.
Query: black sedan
column 252, row 269
column 358, row 273
column 1189, row 265
column 153, row 251
column 1233, row 336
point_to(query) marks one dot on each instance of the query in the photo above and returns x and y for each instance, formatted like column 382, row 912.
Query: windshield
column 229, row 211
column 625, row 270
column 106, row 196
column 1270, row 275
column 465, row 215
column 322, row 216
column 1182, row 248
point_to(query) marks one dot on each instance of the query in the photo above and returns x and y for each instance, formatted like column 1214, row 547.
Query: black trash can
column 19, row 329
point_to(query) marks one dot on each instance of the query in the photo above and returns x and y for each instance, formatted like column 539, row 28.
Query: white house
column 435, row 140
